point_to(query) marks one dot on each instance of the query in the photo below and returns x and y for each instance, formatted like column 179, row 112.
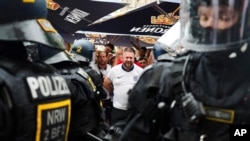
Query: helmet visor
column 38, row 31
column 212, row 25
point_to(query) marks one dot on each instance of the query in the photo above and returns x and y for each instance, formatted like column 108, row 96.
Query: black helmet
column 54, row 56
column 83, row 50
column 168, row 42
column 214, row 25
column 25, row 20
column 49, row 55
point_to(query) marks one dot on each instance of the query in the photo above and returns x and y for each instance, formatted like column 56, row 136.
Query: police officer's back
column 85, row 113
column 83, row 50
column 200, row 95
column 34, row 100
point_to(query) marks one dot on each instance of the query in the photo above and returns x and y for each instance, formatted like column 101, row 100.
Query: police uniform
column 82, row 50
column 34, row 99
column 224, row 103
column 36, row 102
column 86, row 112
column 201, row 94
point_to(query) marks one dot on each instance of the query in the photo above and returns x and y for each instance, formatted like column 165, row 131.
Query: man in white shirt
column 120, row 79
column 102, row 67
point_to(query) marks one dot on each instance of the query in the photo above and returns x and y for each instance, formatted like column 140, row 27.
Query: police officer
column 85, row 111
column 200, row 95
column 34, row 99
column 83, row 50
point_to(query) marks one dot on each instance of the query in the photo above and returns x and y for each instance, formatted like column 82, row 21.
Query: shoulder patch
column 42, row 87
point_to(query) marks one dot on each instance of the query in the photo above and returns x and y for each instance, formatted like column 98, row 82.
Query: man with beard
column 119, row 80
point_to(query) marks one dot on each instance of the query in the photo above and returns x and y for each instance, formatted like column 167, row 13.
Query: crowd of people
column 51, row 90
column 109, row 57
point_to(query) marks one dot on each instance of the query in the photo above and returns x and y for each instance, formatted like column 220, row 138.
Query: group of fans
column 50, row 94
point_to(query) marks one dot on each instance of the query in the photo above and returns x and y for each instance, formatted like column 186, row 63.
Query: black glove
column 193, row 109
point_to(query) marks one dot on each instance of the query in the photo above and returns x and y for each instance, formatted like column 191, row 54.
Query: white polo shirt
column 104, row 72
column 123, row 81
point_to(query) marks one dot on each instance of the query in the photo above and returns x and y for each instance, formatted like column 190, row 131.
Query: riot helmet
column 54, row 56
column 214, row 25
column 44, row 53
column 83, row 50
column 25, row 20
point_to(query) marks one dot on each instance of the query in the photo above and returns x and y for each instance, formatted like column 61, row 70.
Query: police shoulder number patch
column 53, row 121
